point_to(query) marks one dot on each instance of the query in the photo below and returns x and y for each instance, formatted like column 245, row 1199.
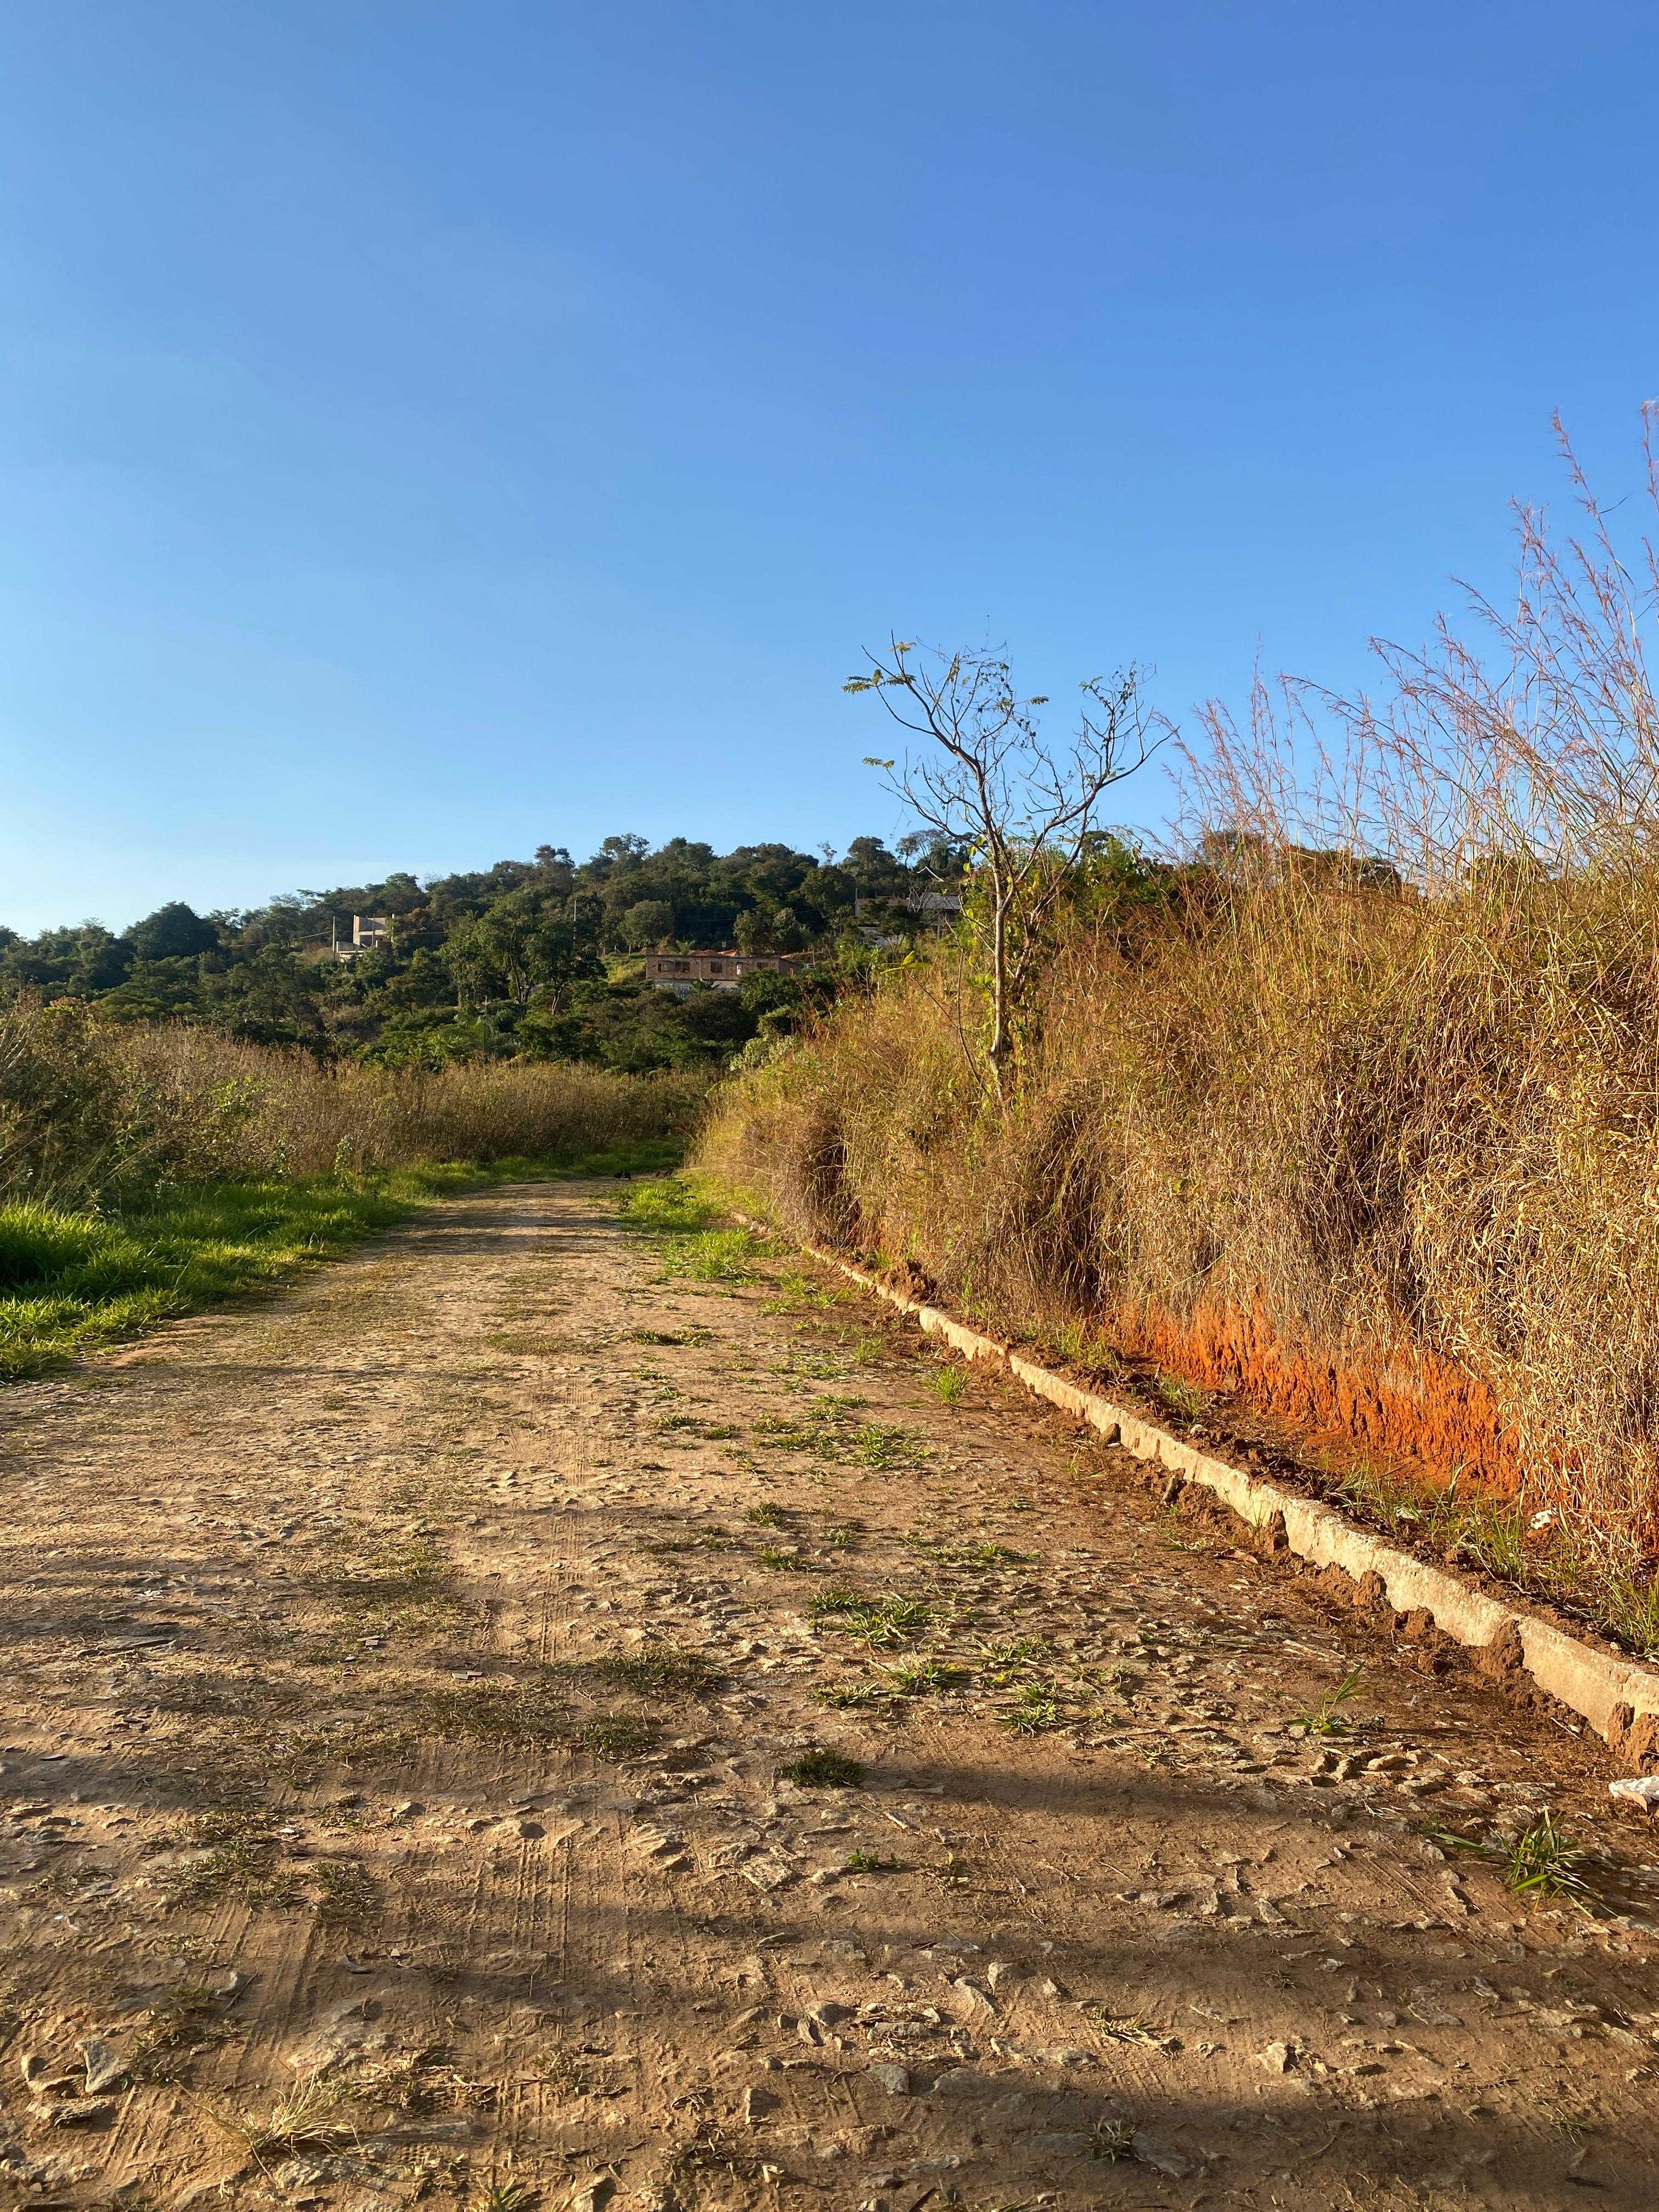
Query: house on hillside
column 369, row 933
column 679, row 972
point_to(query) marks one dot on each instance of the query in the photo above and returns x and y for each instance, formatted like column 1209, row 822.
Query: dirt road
column 427, row 1777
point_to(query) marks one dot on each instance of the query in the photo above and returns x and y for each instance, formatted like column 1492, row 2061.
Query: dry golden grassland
column 148, row 1173
column 1353, row 1111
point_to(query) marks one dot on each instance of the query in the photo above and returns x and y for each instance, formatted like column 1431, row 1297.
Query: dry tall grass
column 1379, row 1148
column 88, row 1111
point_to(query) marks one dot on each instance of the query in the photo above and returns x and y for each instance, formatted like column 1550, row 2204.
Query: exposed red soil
column 1402, row 1402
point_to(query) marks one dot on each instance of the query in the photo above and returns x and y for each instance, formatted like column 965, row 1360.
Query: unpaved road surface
column 404, row 1679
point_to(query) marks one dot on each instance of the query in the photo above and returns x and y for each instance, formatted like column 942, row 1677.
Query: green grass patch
column 882, row 1623
column 619, row 1736
column 664, row 1671
column 73, row 1282
column 531, row 1712
column 668, row 1206
column 818, row 1769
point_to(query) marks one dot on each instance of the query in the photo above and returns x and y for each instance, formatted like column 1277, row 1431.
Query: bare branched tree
column 1026, row 811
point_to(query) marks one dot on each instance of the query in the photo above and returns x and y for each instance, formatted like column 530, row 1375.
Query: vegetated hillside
column 1389, row 1166
column 1356, row 1112
column 529, row 958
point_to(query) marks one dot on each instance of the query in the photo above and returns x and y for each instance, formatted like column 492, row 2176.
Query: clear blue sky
column 429, row 431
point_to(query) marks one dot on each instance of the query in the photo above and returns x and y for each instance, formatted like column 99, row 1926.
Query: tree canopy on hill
column 528, row 957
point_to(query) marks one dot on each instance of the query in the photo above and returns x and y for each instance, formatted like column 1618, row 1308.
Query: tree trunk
column 1001, row 1041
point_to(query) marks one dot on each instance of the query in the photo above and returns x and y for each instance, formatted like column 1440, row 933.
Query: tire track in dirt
column 408, row 1675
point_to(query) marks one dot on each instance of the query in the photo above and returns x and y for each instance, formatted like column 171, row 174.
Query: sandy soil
column 405, row 1679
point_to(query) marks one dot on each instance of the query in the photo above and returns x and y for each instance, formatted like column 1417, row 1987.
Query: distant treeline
column 528, row 959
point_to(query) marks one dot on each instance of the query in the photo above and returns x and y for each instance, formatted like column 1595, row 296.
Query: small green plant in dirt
column 666, row 1205
column 531, row 1711
column 841, row 1535
column 1035, row 1711
column 885, row 1448
column 1571, row 2122
column 824, row 1427
column 1538, row 1860
column 1174, row 1537
column 767, row 1517
column 706, row 1539
column 619, row 1736
column 972, row 1555
column 881, row 1622
column 240, row 1863
column 689, row 1245
column 1328, row 1717
column 863, row 1862
column 925, row 1678
column 1011, row 1659
column 534, row 1344
column 782, row 1562
column 509, row 2197
column 348, row 1897
column 1113, row 2141
column 951, row 1385
column 1181, row 1397
column 820, row 1769
column 172, row 2030
column 663, row 1671
column 856, row 1696
column 817, row 1424
column 714, row 1256
column 403, row 1587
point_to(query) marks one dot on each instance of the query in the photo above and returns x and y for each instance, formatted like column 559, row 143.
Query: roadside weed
column 1326, row 1717
column 508, row 2197
column 1538, row 1860
column 305, row 2119
column 1123, row 2028
column 1541, row 1861
column 666, row 1205
column 1112, row 2139
column 1181, row 1397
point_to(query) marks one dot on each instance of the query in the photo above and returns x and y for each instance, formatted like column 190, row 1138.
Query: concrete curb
column 1618, row 1698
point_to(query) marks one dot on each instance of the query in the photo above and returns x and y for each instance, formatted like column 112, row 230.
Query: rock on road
column 503, row 1722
